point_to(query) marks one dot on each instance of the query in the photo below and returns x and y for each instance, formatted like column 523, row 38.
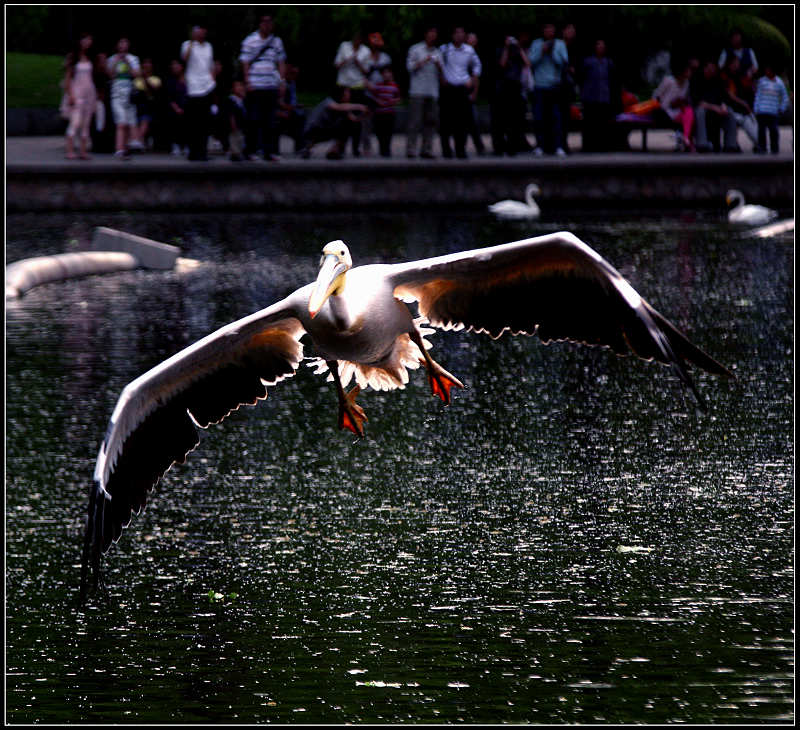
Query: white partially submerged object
column 111, row 251
column 771, row 230
column 28, row 273
column 517, row 209
column 747, row 214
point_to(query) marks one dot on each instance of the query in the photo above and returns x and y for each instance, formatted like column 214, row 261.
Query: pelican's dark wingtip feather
column 555, row 286
column 685, row 349
column 155, row 423
column 164, row 438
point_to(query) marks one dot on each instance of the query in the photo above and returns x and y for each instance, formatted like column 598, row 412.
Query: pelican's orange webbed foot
column 440, row 380
column 351, row 415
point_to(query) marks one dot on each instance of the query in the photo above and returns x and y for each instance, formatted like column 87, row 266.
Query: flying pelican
column 753, row 215
column 554, row 286
column 515, row 208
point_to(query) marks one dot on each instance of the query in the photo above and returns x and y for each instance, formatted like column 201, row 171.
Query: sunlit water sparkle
column 571, row 541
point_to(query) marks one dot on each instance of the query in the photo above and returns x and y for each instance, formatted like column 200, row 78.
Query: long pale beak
column 332, row 268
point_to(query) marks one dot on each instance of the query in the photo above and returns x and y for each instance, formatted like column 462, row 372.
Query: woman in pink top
column 81, row 95
column 673, row 96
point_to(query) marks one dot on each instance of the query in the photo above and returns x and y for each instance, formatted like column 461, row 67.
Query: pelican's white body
column 365, row 329
column 361, row 323
column 517, row 209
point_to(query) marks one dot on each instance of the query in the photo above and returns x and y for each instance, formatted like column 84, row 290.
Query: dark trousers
column 340, row 130
column 176, row 128
column 547, row 118
column 567, row 94
column 455, row 110
column 293, row 124
column 383, row 124
column 508, row 118
column 261, row 135
column 357, row 96
column 474, row 129
column 596, row 128
column 198, row 124
column 768, row 123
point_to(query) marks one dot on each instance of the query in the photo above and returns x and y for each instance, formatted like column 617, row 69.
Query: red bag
column 644, row 107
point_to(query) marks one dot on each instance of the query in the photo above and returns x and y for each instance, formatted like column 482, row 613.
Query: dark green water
column 571, row 541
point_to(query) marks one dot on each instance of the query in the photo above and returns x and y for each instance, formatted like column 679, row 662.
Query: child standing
column 147, row 90
column 387, row 96
column 771, row 101
column 176, row 109
column 237, row 116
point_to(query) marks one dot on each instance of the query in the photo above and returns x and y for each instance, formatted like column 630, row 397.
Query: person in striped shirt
column 263, row 60
column 771, row 100
column 387, row 96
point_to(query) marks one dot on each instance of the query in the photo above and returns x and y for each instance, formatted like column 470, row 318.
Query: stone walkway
column 37, row 151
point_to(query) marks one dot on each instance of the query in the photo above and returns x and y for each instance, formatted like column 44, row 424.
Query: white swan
column 516, row 208
column 753, row 215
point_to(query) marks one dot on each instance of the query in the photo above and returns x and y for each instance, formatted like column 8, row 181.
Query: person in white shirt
column 198, row 58
column 352, row 64
column 459, row 89
column 263, row 60
column 424, row 64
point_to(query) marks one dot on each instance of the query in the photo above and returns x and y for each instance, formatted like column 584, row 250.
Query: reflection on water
column 570, row 541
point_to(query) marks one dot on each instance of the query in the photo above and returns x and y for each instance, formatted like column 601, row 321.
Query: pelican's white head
column 333, row 266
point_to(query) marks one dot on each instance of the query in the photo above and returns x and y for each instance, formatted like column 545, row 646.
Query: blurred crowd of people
column 119, row 103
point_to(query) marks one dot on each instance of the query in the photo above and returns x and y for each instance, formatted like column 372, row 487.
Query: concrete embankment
column 39, row 179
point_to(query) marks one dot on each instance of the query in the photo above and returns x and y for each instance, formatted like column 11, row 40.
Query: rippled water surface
column 571, row 541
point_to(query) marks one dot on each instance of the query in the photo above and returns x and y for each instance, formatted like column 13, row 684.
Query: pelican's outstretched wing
column 153, row 423
column 554, row 286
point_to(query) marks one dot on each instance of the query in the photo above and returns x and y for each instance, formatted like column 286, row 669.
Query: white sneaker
column 560, row 152
column 538, row 152
column 175, row 151
column 135, row 144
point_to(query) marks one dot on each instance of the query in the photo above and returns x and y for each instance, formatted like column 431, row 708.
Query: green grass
column 33, row 80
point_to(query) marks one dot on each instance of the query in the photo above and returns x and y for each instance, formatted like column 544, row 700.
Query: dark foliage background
column 312, row 33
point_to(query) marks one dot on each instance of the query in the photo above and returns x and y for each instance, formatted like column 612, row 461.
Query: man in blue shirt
column 548, row 57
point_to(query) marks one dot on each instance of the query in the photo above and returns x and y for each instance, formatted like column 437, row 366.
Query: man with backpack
column 263, row 62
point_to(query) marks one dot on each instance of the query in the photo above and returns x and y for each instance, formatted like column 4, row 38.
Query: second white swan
column 753, row 215
column 516, row 208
